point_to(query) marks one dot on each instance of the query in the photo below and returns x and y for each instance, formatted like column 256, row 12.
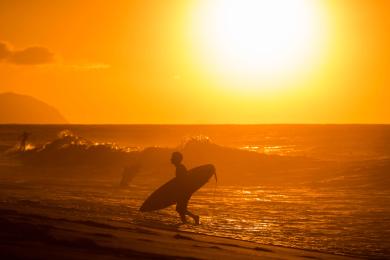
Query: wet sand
column 32, row 236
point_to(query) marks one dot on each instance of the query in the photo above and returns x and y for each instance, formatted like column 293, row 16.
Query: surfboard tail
column 215, row 173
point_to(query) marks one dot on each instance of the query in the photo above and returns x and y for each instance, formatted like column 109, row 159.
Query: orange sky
column 145, row 62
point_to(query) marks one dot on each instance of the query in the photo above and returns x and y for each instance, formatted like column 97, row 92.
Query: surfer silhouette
column 182, row 202
column 128, row 174
column 23, row 141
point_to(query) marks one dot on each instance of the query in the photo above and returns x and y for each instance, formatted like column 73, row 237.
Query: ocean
column 316, row 187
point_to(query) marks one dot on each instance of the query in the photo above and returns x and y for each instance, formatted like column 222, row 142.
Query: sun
column 259, row 40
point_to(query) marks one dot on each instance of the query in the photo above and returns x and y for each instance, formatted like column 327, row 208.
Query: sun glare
column 260, row 40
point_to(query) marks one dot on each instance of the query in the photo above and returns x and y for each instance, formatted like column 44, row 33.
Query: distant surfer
column 128, row 174
column 182, row 202
column 23, row 141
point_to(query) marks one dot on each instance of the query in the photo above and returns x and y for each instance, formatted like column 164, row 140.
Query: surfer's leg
column 193, row 216
column 187, row 212
column 181, row 209
column 183, row 218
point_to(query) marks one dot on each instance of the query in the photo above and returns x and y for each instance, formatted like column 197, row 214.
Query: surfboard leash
column 214, row 192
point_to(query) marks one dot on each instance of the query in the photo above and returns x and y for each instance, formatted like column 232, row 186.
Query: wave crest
column 69, row 149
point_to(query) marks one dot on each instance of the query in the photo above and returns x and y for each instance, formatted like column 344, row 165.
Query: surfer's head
column 176, row 157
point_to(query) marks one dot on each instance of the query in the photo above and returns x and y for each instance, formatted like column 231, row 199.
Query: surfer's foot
column 196, row 219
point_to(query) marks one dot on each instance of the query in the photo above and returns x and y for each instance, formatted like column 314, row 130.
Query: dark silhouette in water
column 128, row 174
column 23, row 141
column 182, row 202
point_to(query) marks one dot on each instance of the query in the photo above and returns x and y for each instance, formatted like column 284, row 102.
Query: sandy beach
column 33, row 236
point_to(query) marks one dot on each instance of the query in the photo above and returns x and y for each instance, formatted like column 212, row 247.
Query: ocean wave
column 72, row 150
column 234, row 165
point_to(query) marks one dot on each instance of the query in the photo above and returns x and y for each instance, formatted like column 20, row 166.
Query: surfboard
column 168, row 193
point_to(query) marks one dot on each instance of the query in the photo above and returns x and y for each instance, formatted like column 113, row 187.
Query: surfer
column 23, row 141
column 128, row 174
column 182, row 202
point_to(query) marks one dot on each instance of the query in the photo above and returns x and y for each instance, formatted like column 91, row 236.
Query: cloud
column 33, row 55
column 39, row 55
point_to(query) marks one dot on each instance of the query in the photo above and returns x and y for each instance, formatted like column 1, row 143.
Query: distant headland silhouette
column 23, row 109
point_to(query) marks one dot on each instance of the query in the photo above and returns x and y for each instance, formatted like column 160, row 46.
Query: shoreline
column 33, row 236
